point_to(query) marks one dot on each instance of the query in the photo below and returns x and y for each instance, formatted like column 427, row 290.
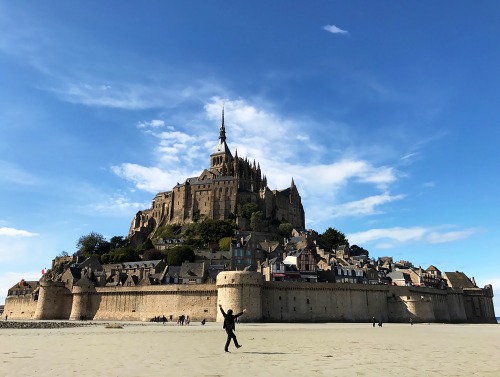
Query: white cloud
column 336, row 175
column 11, row 232
column 392, row 237
column 334, row 29
column 150, row 179
column 155, row 123
column 117, row 206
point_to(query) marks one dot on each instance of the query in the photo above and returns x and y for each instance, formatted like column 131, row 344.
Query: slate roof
column 192, row 269
column 458, row 280
column 140, row 264
column 397, row 275
column 269, row 245
column 91, row 262
column 173, row 271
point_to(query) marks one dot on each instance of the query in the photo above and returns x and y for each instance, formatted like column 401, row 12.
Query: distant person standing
column 374, row 321
column 229, row 326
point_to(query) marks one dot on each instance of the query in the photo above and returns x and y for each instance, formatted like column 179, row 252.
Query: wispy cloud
column 397, row 236
column 334, row 29
column 11, row 173
column 445, row 237
column 129, row 96
column 366, row 206
column 12, row 232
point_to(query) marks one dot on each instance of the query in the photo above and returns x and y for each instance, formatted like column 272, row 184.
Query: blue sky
column 384, row 113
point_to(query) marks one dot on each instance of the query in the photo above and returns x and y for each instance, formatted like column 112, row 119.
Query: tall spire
column 222, row 133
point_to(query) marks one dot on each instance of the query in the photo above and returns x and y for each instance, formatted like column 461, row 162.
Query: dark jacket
column 229, row 320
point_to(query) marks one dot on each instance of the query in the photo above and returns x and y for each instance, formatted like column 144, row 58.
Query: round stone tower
column 53, row 300
column 238, row 290
column 82, row 306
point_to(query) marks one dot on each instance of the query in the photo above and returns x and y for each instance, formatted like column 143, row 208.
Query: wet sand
column 154, row 349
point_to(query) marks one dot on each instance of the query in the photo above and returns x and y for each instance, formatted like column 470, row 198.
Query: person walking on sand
column 229, row 326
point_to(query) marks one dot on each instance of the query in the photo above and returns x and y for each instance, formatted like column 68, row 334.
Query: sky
column 385, row 114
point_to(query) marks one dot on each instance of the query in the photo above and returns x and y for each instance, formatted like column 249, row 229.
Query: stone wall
column 20, row 307
column 264, row 301
column 321, row 302
column 143, row 303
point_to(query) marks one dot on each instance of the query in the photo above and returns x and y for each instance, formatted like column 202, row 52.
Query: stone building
column 216, row 193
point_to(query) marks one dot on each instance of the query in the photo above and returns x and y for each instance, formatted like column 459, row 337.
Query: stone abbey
column 273, row 292
column 216, row 194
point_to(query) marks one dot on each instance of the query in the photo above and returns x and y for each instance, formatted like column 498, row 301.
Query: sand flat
column 268, row 350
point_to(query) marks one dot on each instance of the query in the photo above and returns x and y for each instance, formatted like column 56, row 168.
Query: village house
column 23, row 288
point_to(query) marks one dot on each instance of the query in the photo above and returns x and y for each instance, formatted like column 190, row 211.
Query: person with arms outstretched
column 229, row 326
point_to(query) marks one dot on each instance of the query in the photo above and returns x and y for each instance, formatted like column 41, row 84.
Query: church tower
column 221, row 158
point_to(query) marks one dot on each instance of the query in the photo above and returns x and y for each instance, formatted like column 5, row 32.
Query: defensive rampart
column 264, row 301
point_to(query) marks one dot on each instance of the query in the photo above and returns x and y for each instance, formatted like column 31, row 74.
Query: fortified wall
column 264, row 301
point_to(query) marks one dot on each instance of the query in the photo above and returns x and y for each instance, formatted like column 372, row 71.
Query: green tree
column 146, row 245
column 212, row 231
column 246, row 210
column 168, row 231
column 332, row 238
column 179, row 254
column 285, row 230
column 225, row 244
column 92, row 244
column 117, row 242
column 153, row 254
column 257, row 221
column 356, row 250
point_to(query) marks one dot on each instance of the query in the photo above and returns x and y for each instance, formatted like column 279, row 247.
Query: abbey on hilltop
column 216, row 194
